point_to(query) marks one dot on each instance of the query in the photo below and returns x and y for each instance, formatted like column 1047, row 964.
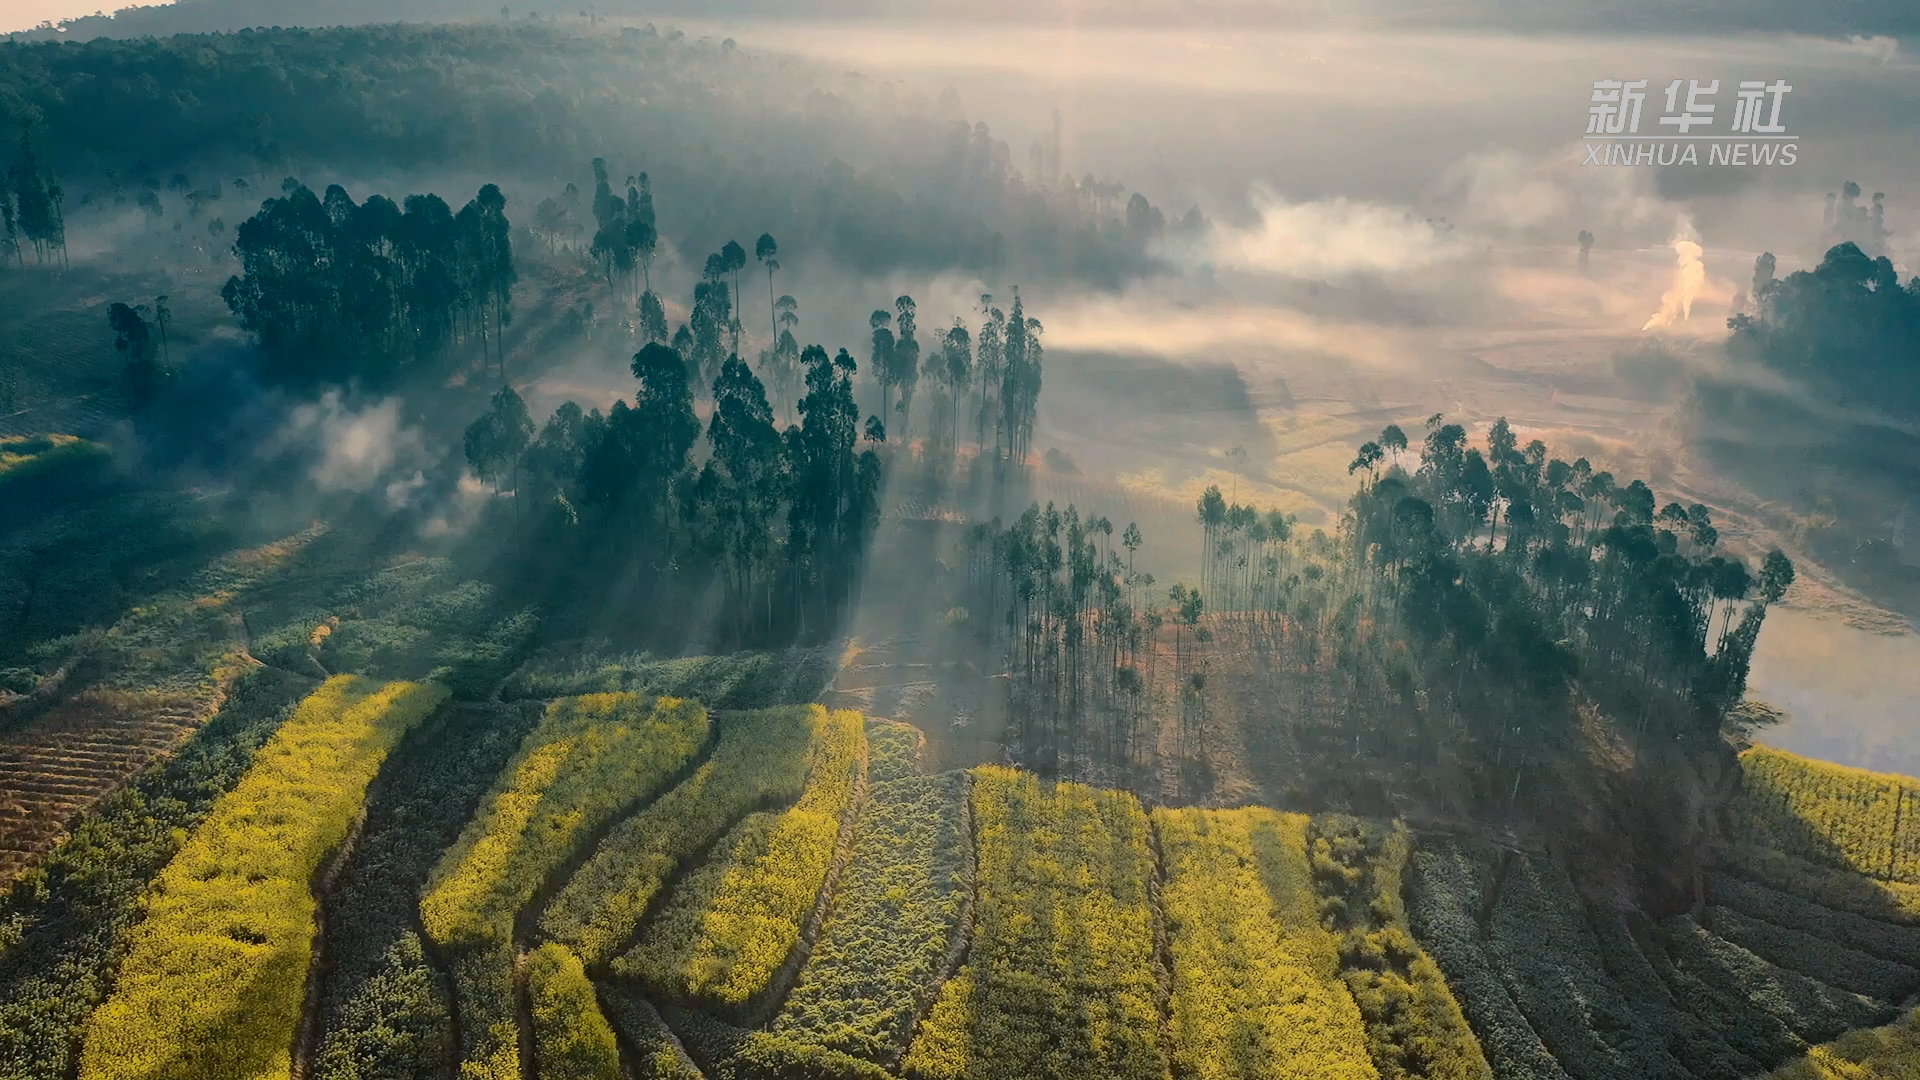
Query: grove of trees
column 30, row 208
column 1472, row 602
column 337, row 291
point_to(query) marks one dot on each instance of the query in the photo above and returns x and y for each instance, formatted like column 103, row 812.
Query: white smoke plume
column 356, row 448
column 1689, row 277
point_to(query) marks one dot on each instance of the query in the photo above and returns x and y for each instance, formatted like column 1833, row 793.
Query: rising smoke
column 1689, row 277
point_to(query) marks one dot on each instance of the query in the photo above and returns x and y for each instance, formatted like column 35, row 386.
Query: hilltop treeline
column 829, row 160
column 1469, row 603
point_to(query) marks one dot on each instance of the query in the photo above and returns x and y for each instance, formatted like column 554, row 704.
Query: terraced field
column 617, row 885
column 79, row 751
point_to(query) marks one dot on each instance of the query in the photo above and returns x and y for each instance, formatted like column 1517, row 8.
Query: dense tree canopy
column 1848, row 326
column 336, row 290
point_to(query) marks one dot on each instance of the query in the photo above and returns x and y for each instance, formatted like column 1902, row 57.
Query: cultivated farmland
column 213, row 982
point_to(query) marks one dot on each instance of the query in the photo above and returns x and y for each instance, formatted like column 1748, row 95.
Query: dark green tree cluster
column 779, row 519
column 30, row 208
column 1848, row 327
column 625, row 238
column 336, row 291
column 993, row 376
column 728, row 132
column 1530, row 578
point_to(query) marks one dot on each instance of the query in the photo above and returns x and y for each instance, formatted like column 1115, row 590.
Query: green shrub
column 656, row 1054
column 1750, row 1030
column 392, row 1027
column 213, row 984
column 66, row 924
column 748, row 680
column 1692, row 1040
column 734, row 923
column 878, row 961
column 571, row 1039
column 484, row 1001
column 1885, row 1053
column 893, row 750
column 1815, row 957
column 1810, row 1009
column 759, row 761
column 1544, row 946
column 1828, row 886
column 1889, row 941
column 764, row 1056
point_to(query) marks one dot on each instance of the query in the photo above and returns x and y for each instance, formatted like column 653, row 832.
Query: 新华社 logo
column 1685, row 132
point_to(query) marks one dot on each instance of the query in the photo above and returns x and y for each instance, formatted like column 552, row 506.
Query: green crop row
column 1414, row 1025
column 571, row 1039
column 1807, row 1008
column 897, row 911
column 655, row 1053
column 589, row 758
column 1830, row 887
column 213, row 983
column 1816, row 957
column 1884, row 1053
column 745, row 680
column 1889, row 941
column 735, row 922
column 1554, row 968
column 1448, row 882
column 1690, row 1038
column 1255, row 991
column 1829, row 814
column 760, row 760
column 1062, row 981
column 382, row 1013
column 893, row 750
column 66, row 925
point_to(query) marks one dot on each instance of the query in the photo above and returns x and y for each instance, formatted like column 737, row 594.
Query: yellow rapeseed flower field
column 1882, row 1053
column 571, row 1039
column 589, row 757
column 733, row 923
column 1256, row 995
column 213, row 983
column 1830, row 814
column 761, row 759
column 1063, row 978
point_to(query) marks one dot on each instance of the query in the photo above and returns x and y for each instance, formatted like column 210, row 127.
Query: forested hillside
column 833, row 162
